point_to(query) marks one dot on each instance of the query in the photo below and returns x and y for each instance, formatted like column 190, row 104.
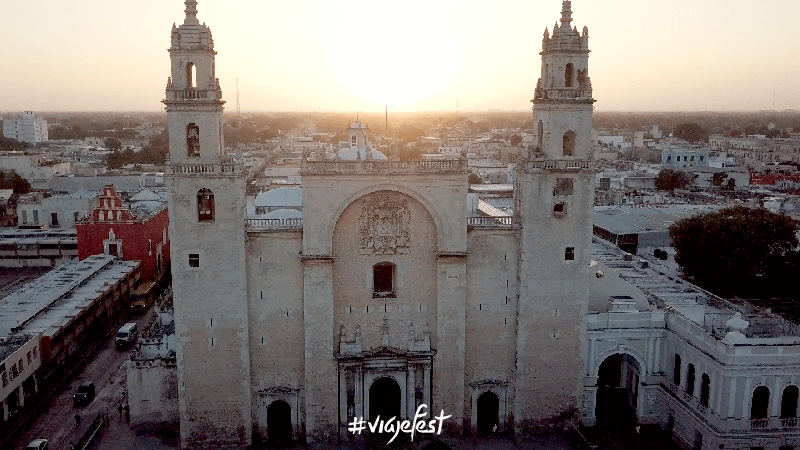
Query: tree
column 12, row 145
column 691, row 132
column 474, row 178
column 669, row 180
column 516, row 140
column 11, row 180
column 749, row 252
column 113, row 144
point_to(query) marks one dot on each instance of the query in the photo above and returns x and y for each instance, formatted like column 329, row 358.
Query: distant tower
column 554, row 194
column 206, row 222
column 357, row 133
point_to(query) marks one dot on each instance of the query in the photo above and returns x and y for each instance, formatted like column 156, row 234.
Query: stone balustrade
column 383, row 166
column 205, row 169
column 193, row 94
column 563, row 94
column 560, row 164
column 275, row 224
column 489, row 222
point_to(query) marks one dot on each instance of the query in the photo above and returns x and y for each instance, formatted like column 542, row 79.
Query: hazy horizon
column 341, row 57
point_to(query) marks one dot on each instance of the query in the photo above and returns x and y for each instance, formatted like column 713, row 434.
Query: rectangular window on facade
column 569, row 254
column 36, row 217
column 54, row 219
column 563, row 186
column 383, row 280
column 194, row 260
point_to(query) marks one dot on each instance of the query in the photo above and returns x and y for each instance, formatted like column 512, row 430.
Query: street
column 57, row 421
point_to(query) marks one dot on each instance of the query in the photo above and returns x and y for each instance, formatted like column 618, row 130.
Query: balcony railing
column 759, row 424
column 563, row 94
column 193, row 94
column 205, row 169
column 489, row 221
column 789, row 422
column 701, row 408
column 276, row 224
column 561, row 164
column 383, row 166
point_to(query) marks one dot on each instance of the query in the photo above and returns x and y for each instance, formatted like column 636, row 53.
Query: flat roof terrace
column 60, row 294
column 664, row 288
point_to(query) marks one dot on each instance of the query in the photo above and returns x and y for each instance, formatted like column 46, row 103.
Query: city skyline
column 88, row 55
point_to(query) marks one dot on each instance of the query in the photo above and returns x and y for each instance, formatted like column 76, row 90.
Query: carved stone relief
column 384, row 226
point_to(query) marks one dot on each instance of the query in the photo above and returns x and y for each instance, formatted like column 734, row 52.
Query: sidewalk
column 119, row 435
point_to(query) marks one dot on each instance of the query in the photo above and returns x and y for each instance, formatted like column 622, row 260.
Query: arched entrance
column 488, row 412
column 384, row 399
column 617, row 389
column 279, row 423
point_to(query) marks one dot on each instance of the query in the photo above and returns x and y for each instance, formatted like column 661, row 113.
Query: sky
column 410, row 55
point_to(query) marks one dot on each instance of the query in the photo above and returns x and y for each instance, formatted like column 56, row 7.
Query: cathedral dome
column 353, row 153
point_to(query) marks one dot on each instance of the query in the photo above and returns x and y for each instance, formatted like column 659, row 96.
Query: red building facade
column 112, row 229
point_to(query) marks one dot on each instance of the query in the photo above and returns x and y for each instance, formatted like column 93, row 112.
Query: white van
column 126, row 335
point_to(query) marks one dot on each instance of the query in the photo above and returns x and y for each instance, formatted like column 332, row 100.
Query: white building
column 388, row 295
column 674, row 157
column 57, row 211
column 26, row 128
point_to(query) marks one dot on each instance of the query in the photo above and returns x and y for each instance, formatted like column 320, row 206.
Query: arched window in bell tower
column 353, row 141
column 191, row 76
column 569, row 75
column 192, row 140
column 205, row 205
column 569, row 143
column 540, row 133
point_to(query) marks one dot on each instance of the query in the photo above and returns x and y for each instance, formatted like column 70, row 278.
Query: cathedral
column 387, row 295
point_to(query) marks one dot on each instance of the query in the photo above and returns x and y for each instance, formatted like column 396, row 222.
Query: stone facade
column 385, row 296
column 112, row 229
column 383, row 284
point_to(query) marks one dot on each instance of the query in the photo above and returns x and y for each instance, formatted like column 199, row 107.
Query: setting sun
column 395, row 56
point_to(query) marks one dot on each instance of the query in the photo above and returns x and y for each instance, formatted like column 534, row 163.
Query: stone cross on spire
column 191, row 13
column 566, row 15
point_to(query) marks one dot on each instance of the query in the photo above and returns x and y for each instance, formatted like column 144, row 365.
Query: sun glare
column 395, row 56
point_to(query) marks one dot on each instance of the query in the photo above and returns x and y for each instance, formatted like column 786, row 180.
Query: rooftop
column 624, row 220
column 56, row 297
column 663, row 288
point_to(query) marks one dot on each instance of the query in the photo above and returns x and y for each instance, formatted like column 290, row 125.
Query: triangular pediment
column 385, row 352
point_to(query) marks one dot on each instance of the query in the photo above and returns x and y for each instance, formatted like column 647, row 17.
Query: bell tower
column 194, row 98
column 206, row 194
column 553, row 201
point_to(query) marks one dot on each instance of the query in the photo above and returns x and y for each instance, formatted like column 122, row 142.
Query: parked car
column 37, row 444
column 84, row 394
column 126, row 335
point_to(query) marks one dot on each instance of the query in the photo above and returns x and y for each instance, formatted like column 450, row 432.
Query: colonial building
column 382, row 300
column 386, row 296
column 134, row 232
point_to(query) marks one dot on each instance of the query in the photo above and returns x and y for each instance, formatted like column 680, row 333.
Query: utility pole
column 238, row 110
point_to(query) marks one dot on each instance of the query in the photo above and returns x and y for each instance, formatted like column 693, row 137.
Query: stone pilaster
column 320, row 365
column 450, row 346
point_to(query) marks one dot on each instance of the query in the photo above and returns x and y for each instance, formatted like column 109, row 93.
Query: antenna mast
column 238, row 111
